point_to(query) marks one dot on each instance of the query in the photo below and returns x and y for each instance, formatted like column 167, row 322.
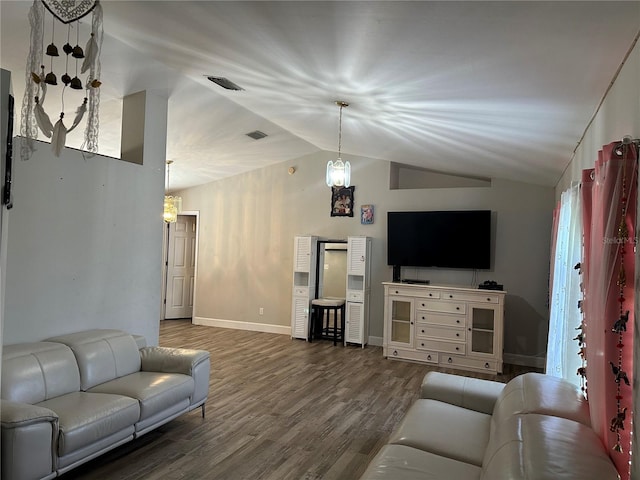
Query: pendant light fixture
column 172, row 203
column 339, row 172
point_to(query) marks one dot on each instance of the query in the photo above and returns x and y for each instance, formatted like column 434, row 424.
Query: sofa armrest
column 171, row 360
column 195, row 363
column 472, row 393
column 28, row 440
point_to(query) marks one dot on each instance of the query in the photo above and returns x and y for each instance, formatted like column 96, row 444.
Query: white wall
column 618, row 116
column 247, row 225
column 84, row 245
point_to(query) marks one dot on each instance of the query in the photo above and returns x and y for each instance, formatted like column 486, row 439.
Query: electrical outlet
column 261, row 311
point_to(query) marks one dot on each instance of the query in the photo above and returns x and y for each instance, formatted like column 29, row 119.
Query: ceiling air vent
column 256, row 135
column 225, row 83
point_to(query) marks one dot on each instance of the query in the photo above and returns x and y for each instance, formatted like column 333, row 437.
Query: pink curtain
column 609, row 199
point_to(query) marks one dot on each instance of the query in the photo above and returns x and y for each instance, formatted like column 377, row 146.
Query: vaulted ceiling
column 490, row 89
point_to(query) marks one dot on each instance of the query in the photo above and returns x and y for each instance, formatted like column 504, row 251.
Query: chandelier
column 73, row 61
column 339, row 172
column 172, row 203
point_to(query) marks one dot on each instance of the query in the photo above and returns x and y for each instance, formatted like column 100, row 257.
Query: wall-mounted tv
column 446, row 239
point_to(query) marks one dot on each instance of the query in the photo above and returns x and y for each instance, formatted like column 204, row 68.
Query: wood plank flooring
column 278, row 409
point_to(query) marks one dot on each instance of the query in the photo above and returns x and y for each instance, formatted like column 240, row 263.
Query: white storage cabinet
column 449, row 326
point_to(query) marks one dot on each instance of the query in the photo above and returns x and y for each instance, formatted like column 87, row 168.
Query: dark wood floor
column 278, row 409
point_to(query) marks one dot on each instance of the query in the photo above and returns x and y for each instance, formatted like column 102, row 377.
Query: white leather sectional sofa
column 536, row 427
column 71, row 398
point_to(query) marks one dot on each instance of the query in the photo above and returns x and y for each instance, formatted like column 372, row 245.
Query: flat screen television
column 447, row 239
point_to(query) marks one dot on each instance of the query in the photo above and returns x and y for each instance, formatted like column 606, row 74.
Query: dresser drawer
column 442, row 306
column 480, row 297
column 415, row 355
column 406, row 291
column 441, row 346
column 445, row 333
column 440, row 319
column 301, row 291
column 466, row 362
column 355, row 296
column 428, row 296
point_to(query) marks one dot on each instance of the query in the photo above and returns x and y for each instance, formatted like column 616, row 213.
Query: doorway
column 179, row 267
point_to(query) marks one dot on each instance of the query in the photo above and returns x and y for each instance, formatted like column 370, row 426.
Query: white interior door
column 181, row 265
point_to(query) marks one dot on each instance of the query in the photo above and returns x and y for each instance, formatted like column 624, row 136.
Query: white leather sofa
column 71, row 398
column 536, row 427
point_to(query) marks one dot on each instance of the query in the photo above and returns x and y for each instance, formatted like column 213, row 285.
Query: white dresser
column 445, row 325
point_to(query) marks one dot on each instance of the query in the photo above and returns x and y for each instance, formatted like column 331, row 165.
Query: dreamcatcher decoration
column 619, row 327
column 40, row 75
column 581, row 339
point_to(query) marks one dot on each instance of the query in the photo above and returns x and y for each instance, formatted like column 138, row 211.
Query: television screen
column 447, row 239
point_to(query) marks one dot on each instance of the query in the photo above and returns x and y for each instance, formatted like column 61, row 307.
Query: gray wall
column 247, row 225
column 84, row 245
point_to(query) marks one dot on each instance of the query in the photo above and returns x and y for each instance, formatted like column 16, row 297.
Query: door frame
column 165, row 259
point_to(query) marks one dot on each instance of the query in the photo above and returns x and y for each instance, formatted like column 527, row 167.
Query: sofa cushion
column 473, row 393
column 543, row 394
column 35, row 372
column 446, row 430
column 399, row 462
column 541, row 447
column 102, row 355
column 86, row 418
column 155, row 391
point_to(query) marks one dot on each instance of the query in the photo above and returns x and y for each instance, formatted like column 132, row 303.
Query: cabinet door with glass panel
column 401, row 319
column 485, row 330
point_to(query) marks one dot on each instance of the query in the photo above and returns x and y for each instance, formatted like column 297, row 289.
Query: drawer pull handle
column 488, row 299
column 397, row 292
column 428, row 357
column 457, row 321
column 395, row 353
column 422, row 331
column 450, row 296
column 450, row 360
column 457, row 348
column 422, row 344
column 457, row 308
column 431, row 294
column 486, row 365
column 422, row 304
column 457, row 334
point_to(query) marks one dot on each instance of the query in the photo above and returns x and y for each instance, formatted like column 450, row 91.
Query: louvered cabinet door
column 300, row 317
column 357, row 256
column 354, row 325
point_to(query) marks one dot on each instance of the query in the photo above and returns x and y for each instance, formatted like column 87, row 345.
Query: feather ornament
column 90, row 54
column 42, row 119
column 79, row 114
column 59, row 136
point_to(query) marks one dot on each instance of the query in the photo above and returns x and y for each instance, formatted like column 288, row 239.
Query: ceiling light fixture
column 172, row 203
column 339, row 172
column 225, row 83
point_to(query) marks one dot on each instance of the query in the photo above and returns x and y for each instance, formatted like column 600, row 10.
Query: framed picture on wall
column 366, row 214
column 342, row 201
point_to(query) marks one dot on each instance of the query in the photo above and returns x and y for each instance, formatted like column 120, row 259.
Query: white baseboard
column 254, row 327
column 375, row 341
column 524, row 360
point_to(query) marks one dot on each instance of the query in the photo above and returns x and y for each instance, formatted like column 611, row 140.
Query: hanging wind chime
column 581, row 338
column 40, row 75
column 620, row 324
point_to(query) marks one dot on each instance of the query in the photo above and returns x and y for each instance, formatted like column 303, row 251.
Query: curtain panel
column 609, row 200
